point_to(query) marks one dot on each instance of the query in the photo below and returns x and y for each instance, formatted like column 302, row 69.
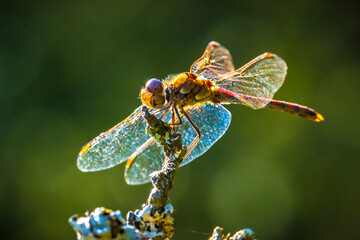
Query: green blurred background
column 70, row 70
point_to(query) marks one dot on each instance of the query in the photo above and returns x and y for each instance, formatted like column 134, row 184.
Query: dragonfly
column 192, row 102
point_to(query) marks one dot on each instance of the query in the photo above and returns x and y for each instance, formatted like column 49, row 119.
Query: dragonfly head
column 153, row 94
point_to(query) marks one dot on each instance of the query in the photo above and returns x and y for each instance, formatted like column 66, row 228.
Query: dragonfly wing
column 257, row 81
column 213, row 121
column 115, row 145
column 149, row 157
column 215, row 61
column 148, row 161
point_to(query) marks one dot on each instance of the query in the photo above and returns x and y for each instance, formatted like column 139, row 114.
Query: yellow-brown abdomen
column 296, row 109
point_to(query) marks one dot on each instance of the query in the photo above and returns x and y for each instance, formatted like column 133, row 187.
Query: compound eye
column 154, row 86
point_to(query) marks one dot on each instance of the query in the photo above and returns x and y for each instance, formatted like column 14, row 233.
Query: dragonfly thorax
column 190, row 90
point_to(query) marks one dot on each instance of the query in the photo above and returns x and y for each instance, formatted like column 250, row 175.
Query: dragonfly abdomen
column 222, row 95
column 295, row 109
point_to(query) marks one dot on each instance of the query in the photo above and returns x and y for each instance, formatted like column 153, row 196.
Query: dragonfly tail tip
column 319, row 118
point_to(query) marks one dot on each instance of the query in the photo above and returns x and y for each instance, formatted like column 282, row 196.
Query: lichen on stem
column 174, row 151
column 156, row 212
column 154, row 220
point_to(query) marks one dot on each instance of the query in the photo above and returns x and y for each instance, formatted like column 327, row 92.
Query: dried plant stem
column 154, row 220
column 174, row 151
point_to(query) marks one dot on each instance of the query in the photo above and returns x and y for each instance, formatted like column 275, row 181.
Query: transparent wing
column 148, row 158
column 257, row 81
column 148, row 161
column 115, row 145
column 212, row 120
column 215, row 61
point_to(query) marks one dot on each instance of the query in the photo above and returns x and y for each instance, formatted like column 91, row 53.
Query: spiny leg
column 175, row 122
column 197, row 139
column 175, row 111
column 177, row 115
column 173, row 125
column 160, row 109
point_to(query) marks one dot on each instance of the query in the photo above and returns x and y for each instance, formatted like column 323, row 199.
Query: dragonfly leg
column 160, row 109
column 177, row 115
column 148, row 143
column 175, row 122
column 175, row 111
column 164, row 113
column 197, row 139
